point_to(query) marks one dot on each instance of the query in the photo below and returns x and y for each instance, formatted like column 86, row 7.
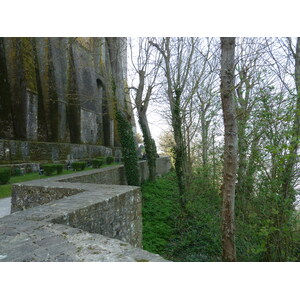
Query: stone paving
column 5, row 206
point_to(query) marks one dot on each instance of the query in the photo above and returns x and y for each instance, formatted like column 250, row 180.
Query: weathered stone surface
column 76, row 221
column 38, row 192
column 62, row 89
column 22, row 151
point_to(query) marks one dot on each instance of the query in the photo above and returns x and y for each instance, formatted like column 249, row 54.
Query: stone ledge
column 24, row 239
column 74, row 221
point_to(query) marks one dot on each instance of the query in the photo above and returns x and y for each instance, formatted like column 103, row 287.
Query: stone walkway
column 5, row 207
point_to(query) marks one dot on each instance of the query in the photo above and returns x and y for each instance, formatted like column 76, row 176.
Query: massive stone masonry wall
column 74, row 221
column 24, row 151
column 62, row 89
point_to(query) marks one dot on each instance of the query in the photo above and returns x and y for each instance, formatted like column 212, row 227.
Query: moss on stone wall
column 47, row 67
column 27, row 52
column 73, row 109
column 6, row 127
column 17, row 81
column 23, row 151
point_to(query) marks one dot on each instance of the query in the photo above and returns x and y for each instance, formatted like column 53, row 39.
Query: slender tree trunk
column 204, row 133
column 230, row 148
column 142, row 106
column 180, row 152
column 241, row 197
column 251, row 166
column 214, row 160
column 292, row 160
column 150, row 146
column 176, row 84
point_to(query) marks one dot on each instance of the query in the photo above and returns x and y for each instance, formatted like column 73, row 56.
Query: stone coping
column 50, row 232
column 34, row 235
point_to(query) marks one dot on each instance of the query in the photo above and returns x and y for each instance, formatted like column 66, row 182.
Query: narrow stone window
column 99, row 83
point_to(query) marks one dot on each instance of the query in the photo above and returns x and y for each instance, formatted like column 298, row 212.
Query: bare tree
column 230, row 148
column 183, row 76
column 146, row 65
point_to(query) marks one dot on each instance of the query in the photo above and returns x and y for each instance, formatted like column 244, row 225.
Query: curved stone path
column 5, row 206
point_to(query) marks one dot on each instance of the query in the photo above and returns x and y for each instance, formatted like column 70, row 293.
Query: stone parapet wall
column 109, row 175
column 74, row 218
column 38, row 192
column 118, row 216
column 34, row 235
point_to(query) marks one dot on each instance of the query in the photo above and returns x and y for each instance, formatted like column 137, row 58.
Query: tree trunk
column 204, row 133
column 230, row 148
column 241, row 172
column 292, row 160
column 214, row 160
column 142, row 106
column 150, row 146
column 180, row 153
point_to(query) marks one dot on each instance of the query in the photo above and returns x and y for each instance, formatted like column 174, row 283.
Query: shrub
column 49, row 169
column 59, row 168
column 102, row 158
column 78, row 165
column 4, row 175
column 97, row 163
column 16, row 172
column 109, row 160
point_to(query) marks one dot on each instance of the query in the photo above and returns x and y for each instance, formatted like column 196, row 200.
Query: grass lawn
column 160, row 207
column 5, row 189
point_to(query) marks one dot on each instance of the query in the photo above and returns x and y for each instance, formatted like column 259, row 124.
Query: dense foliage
column 189, row 235
column 110, row 160
column 97, row 163
column 50, row 169
column 78, row 165
column 195, row 233
column 4, row 175
column 129, row 153
column 261, row 177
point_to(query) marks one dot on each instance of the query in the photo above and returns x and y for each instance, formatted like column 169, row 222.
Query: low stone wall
column 109, row 175
column 71, row 218
column 38, row 192
column 26, row 151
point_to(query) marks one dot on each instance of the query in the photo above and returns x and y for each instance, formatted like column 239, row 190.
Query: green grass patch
column 160, row 207
column 190, row 234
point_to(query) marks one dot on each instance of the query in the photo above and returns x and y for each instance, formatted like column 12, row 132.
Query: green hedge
column 16, row 172
column 101, row 157
column 59, row 168
column 97, row 163
column 78, row 165
column 50, row 169
column 4, row 175
column 109, row 160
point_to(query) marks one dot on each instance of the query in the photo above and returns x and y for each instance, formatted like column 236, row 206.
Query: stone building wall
column 61, row 89
column 28, row 151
